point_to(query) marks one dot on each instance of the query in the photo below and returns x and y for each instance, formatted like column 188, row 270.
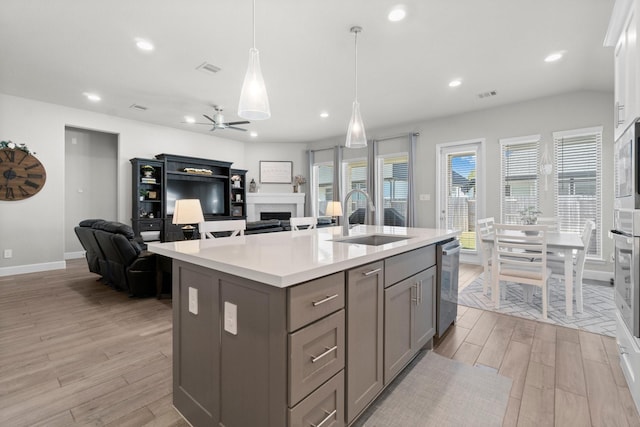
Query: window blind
column 578, row 182
column 519, row 177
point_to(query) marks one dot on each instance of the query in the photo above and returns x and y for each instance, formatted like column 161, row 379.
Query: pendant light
column 356, row 137
column 254, row 102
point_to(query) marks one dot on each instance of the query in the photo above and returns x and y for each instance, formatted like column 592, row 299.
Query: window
column 519, row 181
column 578, row 182
column 355, row 176
column 323, row 186
column 394, row 189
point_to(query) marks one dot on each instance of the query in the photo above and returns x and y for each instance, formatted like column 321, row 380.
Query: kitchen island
column 297, row 328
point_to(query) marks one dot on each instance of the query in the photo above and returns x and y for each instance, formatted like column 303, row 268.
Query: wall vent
column 138, row 107
column 205, row 67
column 487, row 94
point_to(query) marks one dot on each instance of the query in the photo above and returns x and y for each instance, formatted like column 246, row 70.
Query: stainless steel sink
column 371, row 240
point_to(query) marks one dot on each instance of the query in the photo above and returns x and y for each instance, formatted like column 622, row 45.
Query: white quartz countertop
column 287, row 258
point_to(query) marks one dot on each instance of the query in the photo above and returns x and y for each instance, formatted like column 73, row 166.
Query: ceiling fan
column 217, row 121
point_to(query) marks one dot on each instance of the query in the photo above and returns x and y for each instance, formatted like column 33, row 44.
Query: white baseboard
column 32, row 268
column 74, row 255
column 603, row 276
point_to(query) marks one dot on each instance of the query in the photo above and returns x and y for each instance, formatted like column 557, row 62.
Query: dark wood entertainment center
column 157, row 183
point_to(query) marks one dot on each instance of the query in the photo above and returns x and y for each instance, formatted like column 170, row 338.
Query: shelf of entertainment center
column 196, row 175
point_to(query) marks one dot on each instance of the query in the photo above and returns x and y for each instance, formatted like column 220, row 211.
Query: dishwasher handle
column 451, row 250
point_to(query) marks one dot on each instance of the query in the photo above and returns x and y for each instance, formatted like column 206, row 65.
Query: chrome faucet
column 345, row 220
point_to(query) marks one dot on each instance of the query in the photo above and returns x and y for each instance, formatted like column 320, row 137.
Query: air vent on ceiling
column 487, row 94
column 205, row 67
column 138, row 107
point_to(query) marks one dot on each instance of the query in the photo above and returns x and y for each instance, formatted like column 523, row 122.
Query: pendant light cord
column 356, row 74
column 254, row 24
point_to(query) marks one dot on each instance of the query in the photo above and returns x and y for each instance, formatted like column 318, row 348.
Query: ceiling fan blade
column 189, row 123
column 235, row 128
column 209, row 118
column 238, row 123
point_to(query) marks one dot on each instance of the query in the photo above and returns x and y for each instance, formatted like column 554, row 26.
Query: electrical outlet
column 8, row 253
column 425, row 197
column 231, row 318
column 193, row 300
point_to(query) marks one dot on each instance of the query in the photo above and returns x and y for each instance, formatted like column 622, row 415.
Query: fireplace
column 259, row 203
column 275, row 215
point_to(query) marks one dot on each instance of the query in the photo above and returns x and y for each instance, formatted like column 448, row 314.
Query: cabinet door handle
column 322, row 301
column 329, row 350
column 419, row 288
column 369, row 273
column 414, row 287
column 327, row 418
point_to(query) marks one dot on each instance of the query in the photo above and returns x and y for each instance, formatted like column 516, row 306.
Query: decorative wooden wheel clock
column 21, row 174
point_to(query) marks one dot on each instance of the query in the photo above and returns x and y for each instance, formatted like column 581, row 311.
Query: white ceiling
column 54, row 51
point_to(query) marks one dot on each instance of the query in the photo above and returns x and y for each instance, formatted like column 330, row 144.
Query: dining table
column 562, row 243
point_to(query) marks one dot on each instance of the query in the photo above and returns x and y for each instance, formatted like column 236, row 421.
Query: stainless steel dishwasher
column 448, row 261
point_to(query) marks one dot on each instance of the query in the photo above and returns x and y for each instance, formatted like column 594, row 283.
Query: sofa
column 113, row 253
column 274, row 225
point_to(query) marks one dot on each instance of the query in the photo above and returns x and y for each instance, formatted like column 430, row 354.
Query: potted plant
column 143, row 194
column 529, row 215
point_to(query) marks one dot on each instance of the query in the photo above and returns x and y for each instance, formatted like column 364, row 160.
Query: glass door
column 458, row 191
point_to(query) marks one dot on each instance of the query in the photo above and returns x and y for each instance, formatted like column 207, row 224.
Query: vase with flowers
column 298, row 180
column 236, row 180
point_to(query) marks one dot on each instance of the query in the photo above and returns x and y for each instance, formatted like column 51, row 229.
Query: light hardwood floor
column 75, row 352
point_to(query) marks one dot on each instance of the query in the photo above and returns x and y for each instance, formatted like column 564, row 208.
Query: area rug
column 436, row 391
column 599, row 306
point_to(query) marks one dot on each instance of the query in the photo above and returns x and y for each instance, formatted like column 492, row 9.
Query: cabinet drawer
column 405, row 265
column 150, row 225
column 316, row 353
column 323, row 408
column 315, row 299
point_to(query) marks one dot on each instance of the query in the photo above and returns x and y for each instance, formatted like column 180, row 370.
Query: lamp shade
column 333, row 209
column 187, row 211
column 254, row 102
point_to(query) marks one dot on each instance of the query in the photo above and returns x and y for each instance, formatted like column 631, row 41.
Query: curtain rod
column 324, row 149
column 397, row 136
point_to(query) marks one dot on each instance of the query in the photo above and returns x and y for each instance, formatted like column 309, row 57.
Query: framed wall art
column 274, row 172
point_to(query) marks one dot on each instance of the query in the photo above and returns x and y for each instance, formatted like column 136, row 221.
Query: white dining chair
column 520, row 258
column 485, row 229
column 309, row 221
column 556, row 263
column 236, row 227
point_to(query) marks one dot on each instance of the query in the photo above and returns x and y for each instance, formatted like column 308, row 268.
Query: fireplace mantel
column 274, row 202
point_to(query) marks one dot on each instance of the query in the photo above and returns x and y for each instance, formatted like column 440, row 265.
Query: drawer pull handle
column 329, row 350
column 327, row 418
column 322, row 301
column 369, row 273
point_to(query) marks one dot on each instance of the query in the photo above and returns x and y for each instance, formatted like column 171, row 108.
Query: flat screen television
column 210, row 193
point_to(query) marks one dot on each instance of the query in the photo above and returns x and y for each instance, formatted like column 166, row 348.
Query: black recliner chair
column 96, row 259
column 122, row 261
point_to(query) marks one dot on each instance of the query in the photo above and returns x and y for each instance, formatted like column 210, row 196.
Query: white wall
column 34, row 228
column 540, row 116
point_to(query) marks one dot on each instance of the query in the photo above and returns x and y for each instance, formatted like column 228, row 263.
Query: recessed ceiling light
column 324, row 114
column 189, row 119
column 145, row 45
column 398, row 13
column 92, row 96
column 554, row 57
column 455, row 83
column 253, row 134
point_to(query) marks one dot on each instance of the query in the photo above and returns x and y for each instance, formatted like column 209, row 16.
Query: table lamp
column 333, row 209
column 187, row 212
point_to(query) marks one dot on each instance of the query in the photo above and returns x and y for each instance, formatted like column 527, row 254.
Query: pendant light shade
column 356, row 137
column 254, row 102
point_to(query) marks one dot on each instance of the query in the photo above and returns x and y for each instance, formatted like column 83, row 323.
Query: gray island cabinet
column 307, row 345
